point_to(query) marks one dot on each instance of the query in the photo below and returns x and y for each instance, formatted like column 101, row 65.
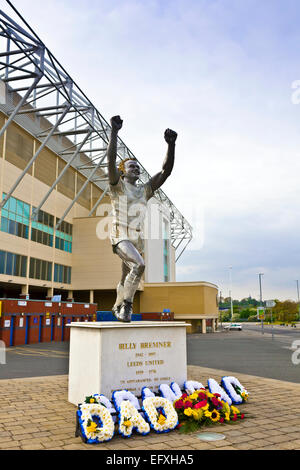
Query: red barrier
column 32, row 329
column 5, row 329
column 45, row 329
column 30, row 321
column 12, row 329
column 159, row 316
column 19, row 330
column 67, row 320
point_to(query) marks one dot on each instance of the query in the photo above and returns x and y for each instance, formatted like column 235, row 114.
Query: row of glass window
column 14, row 228
column 16, row 265
column 48, row 220
column 15, row 206
column 15, row 217
column 62, row 274
column 43, row 218
column 12, row 264
column 40, row 269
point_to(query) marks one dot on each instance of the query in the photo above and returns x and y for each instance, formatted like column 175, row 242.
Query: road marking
column 41, row 355
column 19, row 353
column 25, row 348
column 38, row 352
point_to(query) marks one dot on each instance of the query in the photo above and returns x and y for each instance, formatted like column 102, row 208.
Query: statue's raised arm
column 129, row 196
column 157, row 180
column 113, row 172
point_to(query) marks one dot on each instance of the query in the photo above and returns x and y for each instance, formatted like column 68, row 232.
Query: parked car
column 233, row 326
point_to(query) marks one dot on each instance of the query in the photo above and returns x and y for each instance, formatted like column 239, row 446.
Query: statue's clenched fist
column 170, row 136
column 116, row 122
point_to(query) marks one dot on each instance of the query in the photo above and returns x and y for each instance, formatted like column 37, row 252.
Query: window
column 62, row 274
column 40, row 269
column 42, row 228
column 15, row 217
column 44, row 218
column 12, row 264
column 63, row 237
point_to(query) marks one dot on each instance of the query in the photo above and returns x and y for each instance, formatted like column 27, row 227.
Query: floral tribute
column 95, row 423
column 97, row 417
column 130, row 419
column 204, row 408
column 160, row 413
column 127, row 406
column 235, row 390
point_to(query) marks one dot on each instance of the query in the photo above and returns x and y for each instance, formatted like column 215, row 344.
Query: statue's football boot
column 116, row 310
column 125, row 312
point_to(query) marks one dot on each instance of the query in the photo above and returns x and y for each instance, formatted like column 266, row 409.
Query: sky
column 223, row 74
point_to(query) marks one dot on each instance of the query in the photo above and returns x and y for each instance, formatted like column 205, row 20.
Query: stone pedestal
column 108, row 356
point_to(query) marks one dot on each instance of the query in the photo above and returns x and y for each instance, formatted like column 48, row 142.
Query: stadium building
column 54, row 202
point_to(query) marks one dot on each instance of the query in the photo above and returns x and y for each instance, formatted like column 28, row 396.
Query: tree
column 285, row 311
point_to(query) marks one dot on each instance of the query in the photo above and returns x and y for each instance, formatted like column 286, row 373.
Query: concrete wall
column 154, row 243
column 193, row 302
column 94, row 265
column 182, row 298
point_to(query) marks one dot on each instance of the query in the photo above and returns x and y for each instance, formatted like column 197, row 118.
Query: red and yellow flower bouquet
column 204, row 408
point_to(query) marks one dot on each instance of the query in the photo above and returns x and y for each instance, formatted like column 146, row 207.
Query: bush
column 253, row 318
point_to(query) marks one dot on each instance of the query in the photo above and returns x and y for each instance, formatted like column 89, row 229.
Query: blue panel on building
column 109, row 316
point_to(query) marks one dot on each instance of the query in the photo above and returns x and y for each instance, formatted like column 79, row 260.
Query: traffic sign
column 261, row 313
column 270, row 303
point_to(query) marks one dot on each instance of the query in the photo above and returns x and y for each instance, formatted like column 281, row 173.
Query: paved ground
column 35, row 414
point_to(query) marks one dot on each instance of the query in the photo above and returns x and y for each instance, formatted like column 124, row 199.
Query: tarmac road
column 247, row 351
column 279, row 331
column 36, row 360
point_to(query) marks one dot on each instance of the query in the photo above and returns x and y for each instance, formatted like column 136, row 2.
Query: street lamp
column 260, row 299
column 220, row 308
column 260, row 290
column 297, row 283
column 230, row 292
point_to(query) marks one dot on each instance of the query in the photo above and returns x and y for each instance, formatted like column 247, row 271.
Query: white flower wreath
column 103, row 400
column 191, row 386
column 214, row 387
column 130, row 418
column 102, row 433
column 150, row 406
column 228, row 384
column 146, row 392
column 120, row 395
column 171, row 393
